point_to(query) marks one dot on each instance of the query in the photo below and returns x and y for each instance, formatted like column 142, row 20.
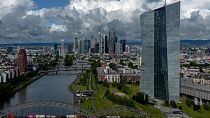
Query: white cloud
column 58, row 28
column 8, row 6
column 40, row 13
column 85, row 17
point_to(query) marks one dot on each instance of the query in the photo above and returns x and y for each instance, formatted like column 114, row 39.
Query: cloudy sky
column 50, row 20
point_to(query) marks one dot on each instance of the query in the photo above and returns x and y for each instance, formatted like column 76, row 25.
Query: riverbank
column 23, row 85
column 74, row 87
column 7, row 90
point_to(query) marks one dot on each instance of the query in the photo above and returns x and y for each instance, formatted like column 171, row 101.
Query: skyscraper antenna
column 165, row 3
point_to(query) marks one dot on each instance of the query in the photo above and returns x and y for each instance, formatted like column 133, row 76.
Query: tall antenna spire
column 165, row 3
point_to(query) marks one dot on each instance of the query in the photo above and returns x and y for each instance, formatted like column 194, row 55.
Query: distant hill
column 195, row 42
column 182, row 42
column 128, row 42
column 31, row 44
column 133, row 42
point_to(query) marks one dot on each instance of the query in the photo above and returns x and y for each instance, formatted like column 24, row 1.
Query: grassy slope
column 195, row 114
column 100, row 102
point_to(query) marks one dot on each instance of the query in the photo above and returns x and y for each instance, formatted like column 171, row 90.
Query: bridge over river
column 60, row 108
column 43, row 108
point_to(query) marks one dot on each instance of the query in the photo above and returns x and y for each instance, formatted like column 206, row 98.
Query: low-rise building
column 204, row 78
column 129, row 75
column 106, row 74
column 199, row 92
column 4, row 77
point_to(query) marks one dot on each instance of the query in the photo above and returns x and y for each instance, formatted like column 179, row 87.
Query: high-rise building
column 56, row 52
column 79, row 48
column 75, row 45
column 97, row 48
column 93, row 42
column 115, row 42
column 9, row 50
column 122, row 45
column 62, row 48
column 22, row 61
column 70, row 48
column 100, row 40
column 106, row 44
column 127, row 48
column 102, row 44
column 118, row 48
column 111, row 45
column 86, row 46
column 160, row 33
column 55, row 47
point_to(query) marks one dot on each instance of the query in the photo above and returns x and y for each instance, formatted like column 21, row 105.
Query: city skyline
column 105, row 58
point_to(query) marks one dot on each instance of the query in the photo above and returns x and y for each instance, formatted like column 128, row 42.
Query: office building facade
column 111, row 45
column 106, row 44
column 70, row 48
column 62, row 48
column 160, row 33
column 123, row 43
column 22, row 61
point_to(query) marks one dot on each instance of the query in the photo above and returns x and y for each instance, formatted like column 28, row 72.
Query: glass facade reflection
column 160, row 31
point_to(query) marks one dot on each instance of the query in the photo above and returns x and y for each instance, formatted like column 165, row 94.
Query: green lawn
column 134, row 89
column 100, row 102
column 78, row 87
column 202, row 113
column 156, row 113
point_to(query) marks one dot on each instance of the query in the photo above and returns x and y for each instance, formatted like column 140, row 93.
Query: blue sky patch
column 50, row 3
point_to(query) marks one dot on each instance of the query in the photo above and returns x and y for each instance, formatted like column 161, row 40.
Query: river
column 51, row 87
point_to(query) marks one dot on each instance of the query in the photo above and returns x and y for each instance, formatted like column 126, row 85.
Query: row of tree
column 122, row 87
column 194, row 64
column 119, row 100
column 141, row 98
column 68, row 60
column 84, row 77
column 94, row 64
column 49, row 65
column 172, row 104
column 189, row 103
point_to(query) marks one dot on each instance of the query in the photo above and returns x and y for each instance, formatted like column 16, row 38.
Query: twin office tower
column 160, row 30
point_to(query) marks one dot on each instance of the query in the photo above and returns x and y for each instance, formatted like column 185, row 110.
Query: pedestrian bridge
column 70, row 69
column 43, row 108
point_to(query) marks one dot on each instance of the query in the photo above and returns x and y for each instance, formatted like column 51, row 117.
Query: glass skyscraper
column 160, row 33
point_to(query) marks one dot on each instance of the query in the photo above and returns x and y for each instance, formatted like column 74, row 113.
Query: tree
column 122, row 62
column 68, row 60
column 94, row 65
column 201, row 70
column 196, row 107
column 180, row 107
column 130, row 65
column 206, row 106
column 189, row 102
column 106, row 84
column 112, row 66
column 166, row 103
column 146, row 99
column 173, row 104
column 141, row 98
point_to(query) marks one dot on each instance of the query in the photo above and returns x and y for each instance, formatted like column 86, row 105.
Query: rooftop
column 187, row 82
